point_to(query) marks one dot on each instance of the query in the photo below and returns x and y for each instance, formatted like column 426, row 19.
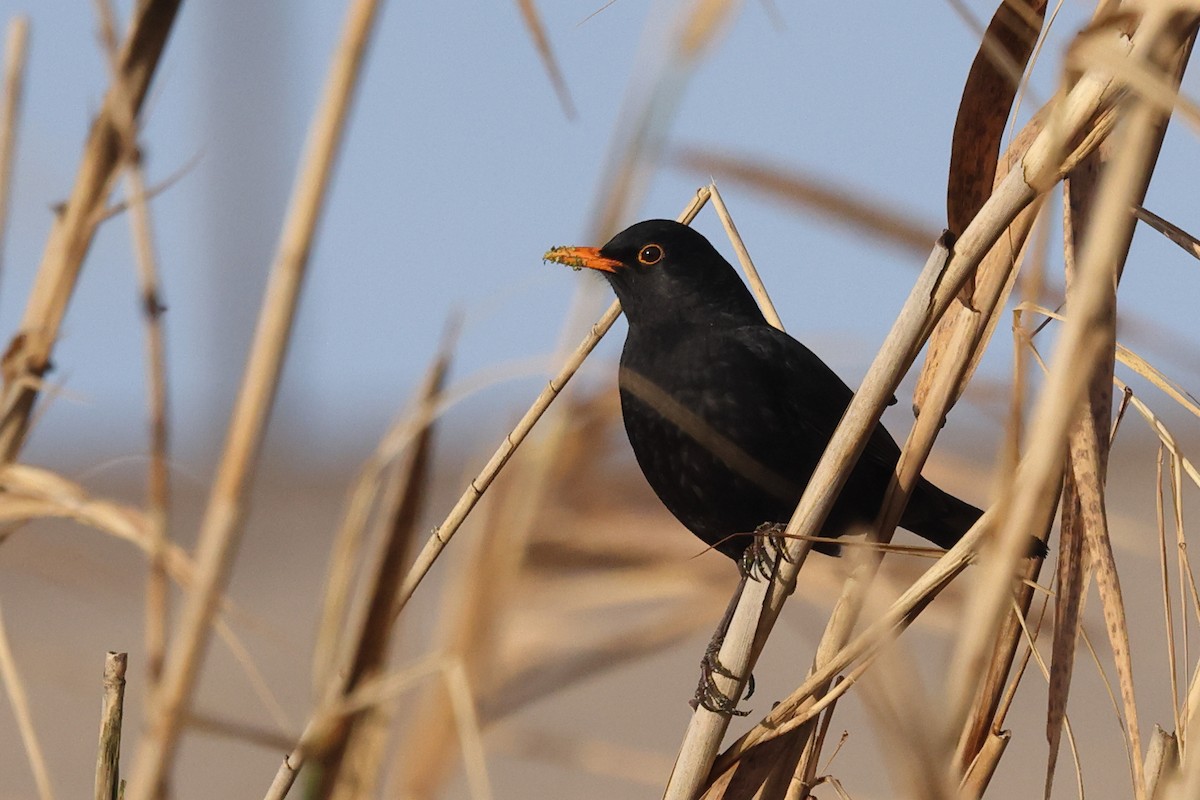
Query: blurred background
column 462, row 165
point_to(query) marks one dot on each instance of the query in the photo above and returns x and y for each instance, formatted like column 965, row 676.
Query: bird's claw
column 758, row 560
column 710, row 696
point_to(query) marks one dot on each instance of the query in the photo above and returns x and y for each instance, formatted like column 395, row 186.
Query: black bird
column 727, row 415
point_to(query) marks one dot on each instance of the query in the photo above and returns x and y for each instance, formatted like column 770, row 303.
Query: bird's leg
column 708, row 694
column 758, row 560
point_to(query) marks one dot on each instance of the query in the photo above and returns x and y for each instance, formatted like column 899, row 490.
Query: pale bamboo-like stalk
column 479, row 484
column 71, row 236
column 222, row 525
column 158, row 473
column 15, row 46
column 908, row 471
column 108, row 757
column 1089, row 321
column 1042, row 166
column 739, row 247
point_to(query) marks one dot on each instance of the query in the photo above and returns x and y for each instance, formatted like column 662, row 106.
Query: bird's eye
column 650, row 254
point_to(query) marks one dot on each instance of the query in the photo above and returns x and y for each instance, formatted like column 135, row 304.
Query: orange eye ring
column 650, row 254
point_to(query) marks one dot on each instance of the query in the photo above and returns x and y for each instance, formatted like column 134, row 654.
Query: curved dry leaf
column 537, row 32
column 795, row 188
column 987, row 99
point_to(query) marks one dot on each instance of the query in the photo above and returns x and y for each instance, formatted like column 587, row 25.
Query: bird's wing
column 814, row 393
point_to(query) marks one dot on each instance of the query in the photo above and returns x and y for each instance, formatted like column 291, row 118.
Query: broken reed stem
column 158, row 474
column 108, row 758
column 470, row 497
column 221, row 527
column 28, row 355
column 1040, row 169
column 15, row 48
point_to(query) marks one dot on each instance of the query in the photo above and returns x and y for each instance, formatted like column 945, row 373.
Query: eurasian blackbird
column 727, row 415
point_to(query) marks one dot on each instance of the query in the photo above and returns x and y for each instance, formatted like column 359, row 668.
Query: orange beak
column 580, row 257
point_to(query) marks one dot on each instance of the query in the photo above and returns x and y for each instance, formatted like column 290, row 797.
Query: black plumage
column 728, row 416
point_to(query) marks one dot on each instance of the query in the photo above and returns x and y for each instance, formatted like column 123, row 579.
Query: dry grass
column 555, row 584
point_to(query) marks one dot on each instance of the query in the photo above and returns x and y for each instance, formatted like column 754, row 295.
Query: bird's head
column 663, row 270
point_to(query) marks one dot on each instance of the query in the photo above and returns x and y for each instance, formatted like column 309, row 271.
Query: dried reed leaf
column 812, row 194
column 353, row 755
column 1164, row 434
column 993, row 281
column 1165, row 580
column 700, row 29
column 1189, row 243
column 1159, row 379
column 537, row 32
column 987, row 98
column 1091, row 496
column 1079, row 520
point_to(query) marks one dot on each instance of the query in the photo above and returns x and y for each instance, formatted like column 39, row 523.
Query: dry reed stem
column 377, row 477
column 108, row 759
column 979, row 774
column 30, row 492
column 158, row 472
column 739, row 247
column 1162, row 757
column 240, row 731
column 482, row 598
column 372, row 691
column 908, row 471
column 351, row 757
column 1081, row 346
column 221, row 528
column 14, row 687
column 1041, row 168
column 16, row 43
column 470, row 497
column 793, row 710
column 470, row 734
column 28, row 355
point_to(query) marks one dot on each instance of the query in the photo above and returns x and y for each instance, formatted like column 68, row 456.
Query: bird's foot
column 758, row 560
column 708, row 695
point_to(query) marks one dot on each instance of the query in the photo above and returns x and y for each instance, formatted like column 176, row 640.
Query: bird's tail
column 944, row 519
column 937, row 516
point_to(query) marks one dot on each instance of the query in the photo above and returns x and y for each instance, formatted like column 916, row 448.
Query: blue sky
column 460, row 169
